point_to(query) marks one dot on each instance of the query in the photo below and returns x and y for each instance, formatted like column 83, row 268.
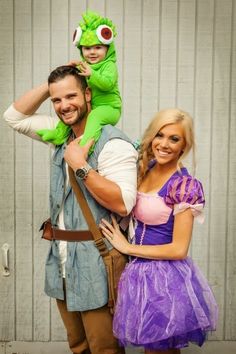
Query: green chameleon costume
column 106, row 100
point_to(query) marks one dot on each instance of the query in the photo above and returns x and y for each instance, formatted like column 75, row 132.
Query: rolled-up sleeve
column 28, row 125
column 118, row 163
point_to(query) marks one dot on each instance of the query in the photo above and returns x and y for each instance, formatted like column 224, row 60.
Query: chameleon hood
column 94, row 30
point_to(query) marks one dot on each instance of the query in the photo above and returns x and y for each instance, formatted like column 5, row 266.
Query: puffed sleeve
column 185, row 192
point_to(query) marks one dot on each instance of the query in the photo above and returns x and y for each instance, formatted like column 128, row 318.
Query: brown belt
column 71, row 235
column 51, row 233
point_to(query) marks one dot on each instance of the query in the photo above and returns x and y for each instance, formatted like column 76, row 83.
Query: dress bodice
column 151, row 209
column 155, row 212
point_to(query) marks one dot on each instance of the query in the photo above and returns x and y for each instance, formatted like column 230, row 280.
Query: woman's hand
column 114, row 236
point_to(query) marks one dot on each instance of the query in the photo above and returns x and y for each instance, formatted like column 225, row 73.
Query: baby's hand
column 84, row 69
column 73, row 63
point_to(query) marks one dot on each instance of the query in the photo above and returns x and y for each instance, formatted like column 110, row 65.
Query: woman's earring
column 152, row 162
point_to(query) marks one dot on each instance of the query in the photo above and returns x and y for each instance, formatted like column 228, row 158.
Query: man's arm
column 114, row 187
column 106, row 192
column 21, row 115
column 32, row 100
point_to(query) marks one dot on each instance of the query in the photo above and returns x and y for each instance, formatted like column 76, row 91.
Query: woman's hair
column 161, row 119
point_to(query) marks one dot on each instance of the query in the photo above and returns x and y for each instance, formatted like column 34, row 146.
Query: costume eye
column 76, row 36
column 104, row 34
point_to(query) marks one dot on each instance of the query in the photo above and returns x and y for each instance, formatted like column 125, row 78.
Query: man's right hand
column 76, row 155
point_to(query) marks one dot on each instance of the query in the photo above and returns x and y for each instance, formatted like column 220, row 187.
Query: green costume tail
column 55, row 136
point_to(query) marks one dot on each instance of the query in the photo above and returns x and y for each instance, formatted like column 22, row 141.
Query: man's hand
column 76, row 155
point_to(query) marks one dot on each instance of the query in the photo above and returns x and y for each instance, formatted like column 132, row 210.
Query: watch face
column 81, row 173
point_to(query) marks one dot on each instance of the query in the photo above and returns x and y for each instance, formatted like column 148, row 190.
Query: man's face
column 69, row 102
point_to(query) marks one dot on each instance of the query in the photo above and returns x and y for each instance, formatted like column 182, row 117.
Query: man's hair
column 67, row 70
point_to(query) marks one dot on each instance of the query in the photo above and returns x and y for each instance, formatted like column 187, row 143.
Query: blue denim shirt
column 86, row 279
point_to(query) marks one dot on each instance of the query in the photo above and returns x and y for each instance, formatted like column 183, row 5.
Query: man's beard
column 82, row 112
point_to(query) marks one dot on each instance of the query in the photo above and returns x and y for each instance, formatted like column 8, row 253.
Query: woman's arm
column 176, row 250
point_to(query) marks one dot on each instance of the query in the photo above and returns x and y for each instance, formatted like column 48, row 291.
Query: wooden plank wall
column 170, row 53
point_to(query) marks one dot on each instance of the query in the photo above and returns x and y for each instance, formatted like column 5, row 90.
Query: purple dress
column 164, row 304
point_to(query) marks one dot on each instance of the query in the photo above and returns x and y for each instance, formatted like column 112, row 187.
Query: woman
column 164, row 302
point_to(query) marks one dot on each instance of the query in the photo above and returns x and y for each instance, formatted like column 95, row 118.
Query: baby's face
column 95, row 53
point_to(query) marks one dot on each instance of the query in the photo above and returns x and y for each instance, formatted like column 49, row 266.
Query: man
column 108, row 180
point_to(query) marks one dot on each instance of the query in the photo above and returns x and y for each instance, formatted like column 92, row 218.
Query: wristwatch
column 82, row 172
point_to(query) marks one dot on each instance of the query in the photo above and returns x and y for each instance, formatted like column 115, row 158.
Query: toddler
column 94, row 38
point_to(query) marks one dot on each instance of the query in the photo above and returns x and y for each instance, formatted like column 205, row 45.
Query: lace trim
column 196, row 209
column 141, row 241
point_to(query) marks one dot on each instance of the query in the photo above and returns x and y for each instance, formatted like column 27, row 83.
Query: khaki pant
column 89, row 332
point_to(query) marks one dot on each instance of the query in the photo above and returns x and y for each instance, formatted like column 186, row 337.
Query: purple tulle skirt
column 164, row 304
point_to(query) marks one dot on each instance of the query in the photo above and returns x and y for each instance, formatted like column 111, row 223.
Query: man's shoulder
column 110, row 132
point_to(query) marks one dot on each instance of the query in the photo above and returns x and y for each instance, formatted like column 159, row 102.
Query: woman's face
column 168, row 144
